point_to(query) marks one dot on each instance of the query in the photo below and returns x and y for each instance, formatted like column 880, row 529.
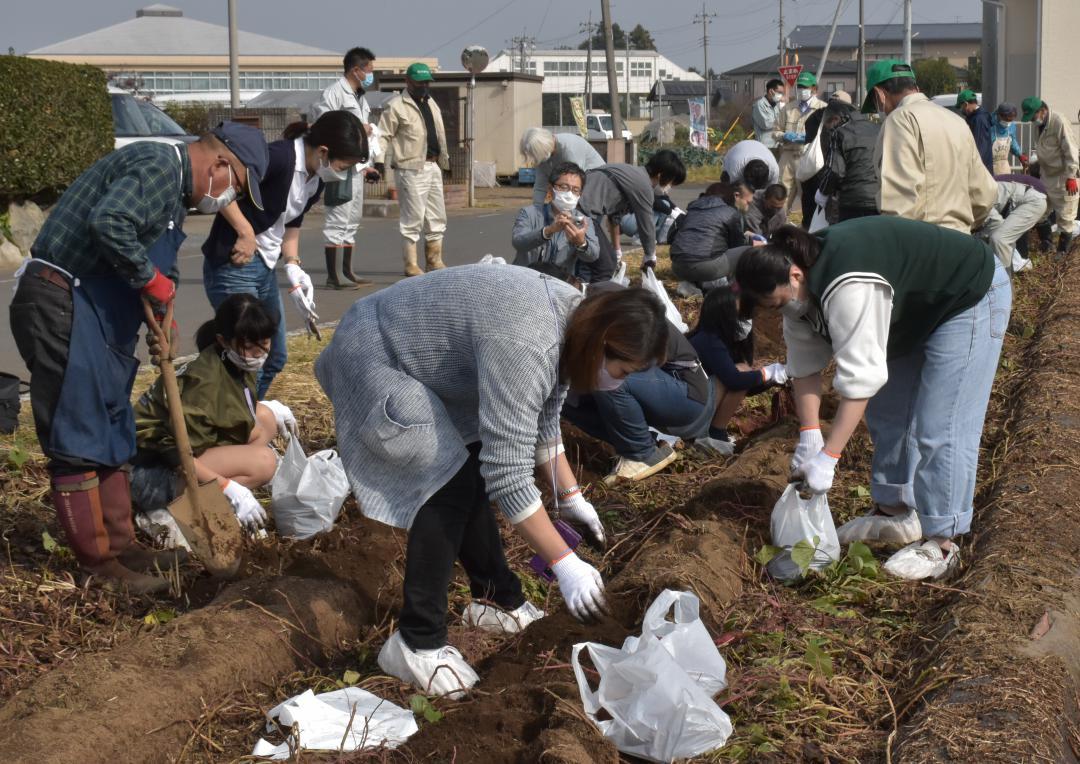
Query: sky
column 742, row 31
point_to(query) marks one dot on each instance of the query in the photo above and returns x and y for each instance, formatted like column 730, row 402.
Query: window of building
column 832, row 87
column 641, row 69
column 564, row 68
column 663, row 74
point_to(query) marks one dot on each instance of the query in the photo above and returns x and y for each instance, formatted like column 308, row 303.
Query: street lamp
column 475, row 60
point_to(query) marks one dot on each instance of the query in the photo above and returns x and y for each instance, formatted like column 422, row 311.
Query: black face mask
column 419, row 91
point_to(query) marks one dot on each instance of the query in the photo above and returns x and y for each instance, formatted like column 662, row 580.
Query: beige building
column 171, row 57
column 958, row 43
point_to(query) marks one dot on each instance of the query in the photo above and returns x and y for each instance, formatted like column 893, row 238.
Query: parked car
column 138, row 120
column 600, row 128
column 948, row 100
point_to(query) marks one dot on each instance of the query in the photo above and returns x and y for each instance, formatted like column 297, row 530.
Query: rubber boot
column 347, row 270
column 433, row 255
column 409, row 250
column 115, row 491
column 77, row 499
column 335, row 279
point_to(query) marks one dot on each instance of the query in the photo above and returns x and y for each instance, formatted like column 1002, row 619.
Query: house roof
column 847, row 35
column 161, row 30
column 768, row 66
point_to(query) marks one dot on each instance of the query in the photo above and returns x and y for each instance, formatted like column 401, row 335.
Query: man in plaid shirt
column 108, row 243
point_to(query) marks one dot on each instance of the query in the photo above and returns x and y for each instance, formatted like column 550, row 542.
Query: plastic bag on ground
column 686, row 639
column 307, row 491
column 653, row 708
column 159, row 525
column 795, row 519
column 343, row 720
column 650, row 282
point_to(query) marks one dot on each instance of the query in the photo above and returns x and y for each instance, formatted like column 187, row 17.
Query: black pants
column 850, row 213
column 41, row 314
column 456, row 523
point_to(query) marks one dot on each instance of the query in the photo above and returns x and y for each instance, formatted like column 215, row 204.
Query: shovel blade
column 212, row 530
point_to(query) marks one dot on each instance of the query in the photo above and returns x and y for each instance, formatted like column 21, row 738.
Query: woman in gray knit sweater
column 446, row 392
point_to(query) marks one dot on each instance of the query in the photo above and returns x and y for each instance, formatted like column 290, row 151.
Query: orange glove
column 1071, row 186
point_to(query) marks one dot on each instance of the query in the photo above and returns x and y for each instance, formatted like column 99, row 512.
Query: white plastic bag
column 620, row 276
column 650, row 282
column 796, row 519
column 342, row 720
column 307, row 491
column 685, row 639
column 819, row 220
column 811, row 161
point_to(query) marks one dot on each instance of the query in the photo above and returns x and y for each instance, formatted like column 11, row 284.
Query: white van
column 600, row 128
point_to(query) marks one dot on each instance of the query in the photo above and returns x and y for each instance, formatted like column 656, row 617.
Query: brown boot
column 347, row 271
column 433, row 255
column 115, row 491
column 77, row 499
column 335, row 279
column 411, row 268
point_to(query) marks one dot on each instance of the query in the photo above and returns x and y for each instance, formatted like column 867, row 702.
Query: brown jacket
column 1056, row 147
column 401, row 128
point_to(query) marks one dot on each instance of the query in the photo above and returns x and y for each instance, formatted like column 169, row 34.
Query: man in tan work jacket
column 1055, row 149
column 929, row 166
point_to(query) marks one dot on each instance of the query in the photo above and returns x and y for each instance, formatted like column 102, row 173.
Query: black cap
column 249, row 146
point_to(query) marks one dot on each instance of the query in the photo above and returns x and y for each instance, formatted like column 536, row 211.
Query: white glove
column 248, row 511
column 576, row 509
column 286, row 422
column 582, row 587
column 817, row 472
column 302, row 291
column 776, row 372
column 810, row 442
column 820, row 198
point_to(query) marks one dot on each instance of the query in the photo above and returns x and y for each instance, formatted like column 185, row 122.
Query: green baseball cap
column 877, row 73
column 966, row 96
column 806, row 79
column 419, row 72
column 1030, row 105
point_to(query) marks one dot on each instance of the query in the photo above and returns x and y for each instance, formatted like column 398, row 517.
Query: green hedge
column 55, row 121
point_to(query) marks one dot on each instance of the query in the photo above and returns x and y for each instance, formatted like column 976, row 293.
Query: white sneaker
column 715, row 446
column 1020, row 264
column 499, row 621
column 628, row 469
column 436, row 672
column 922, row 559
column 878, row 526
column 688, row 289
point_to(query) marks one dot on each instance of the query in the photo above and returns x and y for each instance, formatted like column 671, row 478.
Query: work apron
column 999, row 151
column 93, row 420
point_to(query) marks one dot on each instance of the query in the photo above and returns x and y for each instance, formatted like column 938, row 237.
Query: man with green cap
column 411, row 127
column 981, row 124
column 930, row 167
column 790, row 133
column 1056, row 151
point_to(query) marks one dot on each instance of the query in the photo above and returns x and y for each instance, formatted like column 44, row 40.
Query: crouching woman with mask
column 230, row 431
column 913, row 315
column 440, row 412
column 557, row 232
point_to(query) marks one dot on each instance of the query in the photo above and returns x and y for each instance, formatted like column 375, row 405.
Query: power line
column 477, row 25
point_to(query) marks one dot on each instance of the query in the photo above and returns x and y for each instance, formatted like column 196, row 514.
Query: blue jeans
column 927, row 421
column 224, row 279
column 650, row 398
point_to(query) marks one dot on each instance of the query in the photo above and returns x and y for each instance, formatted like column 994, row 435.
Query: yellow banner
column 577, row 106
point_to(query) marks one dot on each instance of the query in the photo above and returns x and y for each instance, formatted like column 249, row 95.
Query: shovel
column 202, row 512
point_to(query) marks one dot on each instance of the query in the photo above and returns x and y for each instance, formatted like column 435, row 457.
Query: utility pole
column 705, row 19
column 521, row 45
column 861, row 79
column 589, row 28
column 615, row 146
column 234, row 59
column 828, row 42
column 780, row 46
column 907, row 32
column 629, row 45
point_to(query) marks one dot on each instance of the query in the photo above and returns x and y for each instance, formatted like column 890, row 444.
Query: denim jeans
column 224, row 279
column 650, row 398
column 927, row 421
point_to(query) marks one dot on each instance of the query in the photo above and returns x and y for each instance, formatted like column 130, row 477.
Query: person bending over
column 711, row 235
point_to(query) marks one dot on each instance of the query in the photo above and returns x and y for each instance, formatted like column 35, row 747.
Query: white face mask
column 210, row 205
column 795, row 308
column 245, row 363
column 805, row 94
column 776, row 97
column 604, row 381
column 328, row 174
column 565, row 201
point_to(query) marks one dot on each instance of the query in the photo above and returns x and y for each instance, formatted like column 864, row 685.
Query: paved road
column 470, row 235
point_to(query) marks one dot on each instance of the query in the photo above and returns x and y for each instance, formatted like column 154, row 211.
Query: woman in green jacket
column 230, row 431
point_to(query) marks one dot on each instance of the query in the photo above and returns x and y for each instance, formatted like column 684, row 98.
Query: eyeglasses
column 564, row 187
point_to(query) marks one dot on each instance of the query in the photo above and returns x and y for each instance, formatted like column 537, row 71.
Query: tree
column 617, row 34
column 642, row 39
column 935, row 76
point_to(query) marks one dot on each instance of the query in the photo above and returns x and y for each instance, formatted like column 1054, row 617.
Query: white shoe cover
column 688, row 289
column 878, row 526
column 922, row 559
column 494, row 619
column 435, row 672
column 715, row 446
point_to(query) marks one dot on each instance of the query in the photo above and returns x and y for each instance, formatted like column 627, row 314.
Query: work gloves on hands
column 582, row 587
column 302, row 291
column 776, row 372
column 576, row 509
column 791, row 137
column 248, row 510
column 283, row 416
column 1071, row 186
column 817, row 472
column 160, row 290
column 810, row 442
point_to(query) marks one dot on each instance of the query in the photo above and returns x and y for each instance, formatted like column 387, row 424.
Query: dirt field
column 846, row 666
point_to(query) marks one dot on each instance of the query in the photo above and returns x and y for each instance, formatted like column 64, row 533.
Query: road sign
column 790, row 74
